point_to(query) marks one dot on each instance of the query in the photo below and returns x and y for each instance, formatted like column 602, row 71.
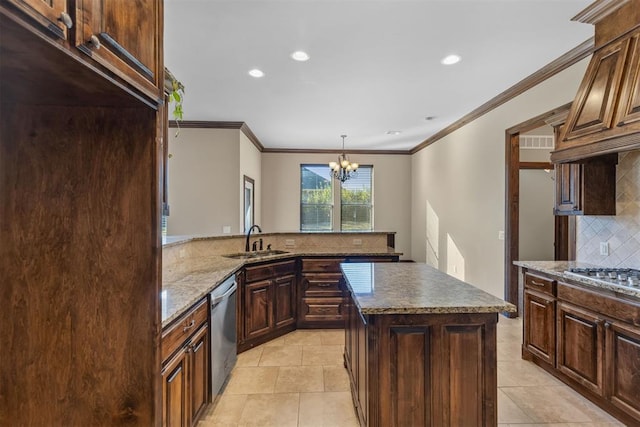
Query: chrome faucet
column 246, row 246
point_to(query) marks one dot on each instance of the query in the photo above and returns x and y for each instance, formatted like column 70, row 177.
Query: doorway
column 563, row 236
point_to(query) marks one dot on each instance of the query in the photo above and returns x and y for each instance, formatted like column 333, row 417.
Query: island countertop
column 414, row 288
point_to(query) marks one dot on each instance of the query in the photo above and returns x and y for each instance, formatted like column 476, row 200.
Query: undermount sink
column 255, row 254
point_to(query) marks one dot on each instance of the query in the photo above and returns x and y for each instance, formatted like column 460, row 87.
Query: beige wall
column 537, row 222
column 204, row 186
column 391, row 186
column 251, row 166
column 462, row 177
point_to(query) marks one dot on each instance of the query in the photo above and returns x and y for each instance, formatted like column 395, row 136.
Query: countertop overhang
column 415, row 288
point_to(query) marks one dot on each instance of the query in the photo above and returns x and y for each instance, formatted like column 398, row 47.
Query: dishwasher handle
column 218, row 299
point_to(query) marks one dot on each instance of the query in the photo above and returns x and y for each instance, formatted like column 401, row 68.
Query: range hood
column 605, row 114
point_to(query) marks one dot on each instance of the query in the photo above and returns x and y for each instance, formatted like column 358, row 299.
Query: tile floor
column 299, row 380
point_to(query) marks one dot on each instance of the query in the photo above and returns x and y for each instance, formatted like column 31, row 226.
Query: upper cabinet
column 122, row 37
column 51, row 15
column 605, row 115
column 119, row 40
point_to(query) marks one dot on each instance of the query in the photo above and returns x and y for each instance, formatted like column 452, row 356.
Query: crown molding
column 576, row 54
column 203, row 124
column 599, row 10
column 329, row 151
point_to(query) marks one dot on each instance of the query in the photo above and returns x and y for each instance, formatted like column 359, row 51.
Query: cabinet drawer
column 321, row 284
column 174, row 336
column 322, row 309
column 262, row 272
column 540, row 284
column 615, row 308
column 327, row 265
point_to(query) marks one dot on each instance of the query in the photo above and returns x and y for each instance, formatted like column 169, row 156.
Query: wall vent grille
column 537, row 142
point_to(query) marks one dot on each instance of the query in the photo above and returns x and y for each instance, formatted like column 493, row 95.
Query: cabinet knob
column 66, row 20
column 607, row 325
column 94, row 42
column 575, row 208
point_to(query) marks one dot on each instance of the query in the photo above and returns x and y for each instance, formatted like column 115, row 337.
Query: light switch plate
column 289, row 243
column 501, row 235
column 357, row 242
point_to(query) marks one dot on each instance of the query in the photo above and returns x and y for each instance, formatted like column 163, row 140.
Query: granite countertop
column 558, row 268
column 204, row 274
column 412, row 288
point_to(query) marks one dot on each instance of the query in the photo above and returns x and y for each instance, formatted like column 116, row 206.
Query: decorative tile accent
column 621, row 231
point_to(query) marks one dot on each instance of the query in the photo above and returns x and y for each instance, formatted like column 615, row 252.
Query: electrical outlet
column 604, row 248
column 289, row 243
column 226, row 229
column 357, row 242
column 182, row 253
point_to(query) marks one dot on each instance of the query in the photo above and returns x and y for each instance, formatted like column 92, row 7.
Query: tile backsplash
column 622, row 231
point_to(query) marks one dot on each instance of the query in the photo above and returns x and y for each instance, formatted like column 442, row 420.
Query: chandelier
column 343, row 169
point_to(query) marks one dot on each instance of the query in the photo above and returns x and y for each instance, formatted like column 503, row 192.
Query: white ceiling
column 374, row 67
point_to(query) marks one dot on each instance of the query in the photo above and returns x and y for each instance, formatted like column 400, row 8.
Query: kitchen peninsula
column 420, row 346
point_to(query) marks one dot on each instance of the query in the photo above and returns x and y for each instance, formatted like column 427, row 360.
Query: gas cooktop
column 612, row 276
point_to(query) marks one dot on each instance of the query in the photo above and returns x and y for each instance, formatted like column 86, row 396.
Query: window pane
column 356, row 200
column 316, row 198
column 315, row 217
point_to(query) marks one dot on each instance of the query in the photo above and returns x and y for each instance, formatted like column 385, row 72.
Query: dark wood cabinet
column 587, row 188
column 422, row 369
column 267, row 295
column 52, row 15
column 592, row 343
column 322, row 290
column 606, row 111
column 540, row 328
column 581, row 346
column 122, row 38
column 186, row 366
column 622, row 366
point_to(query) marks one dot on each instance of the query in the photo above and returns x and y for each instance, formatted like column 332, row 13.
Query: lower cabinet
column 596, row 348
column 422, row 369
column 185, row 369
column 267, row 298
column 322, row 302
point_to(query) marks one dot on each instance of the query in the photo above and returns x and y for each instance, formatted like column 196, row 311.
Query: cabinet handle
column 66, row 20
column 189, row 326
column 94, row 42
column 324, row 285
column 533, row 282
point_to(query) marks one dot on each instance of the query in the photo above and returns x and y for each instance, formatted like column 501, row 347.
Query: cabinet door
column 594, row 106
column 174, row 391
column 258, row 308
column 362, row 366
column 539, row 326
column 580, row 346
column 567, row 188
column 285, row 300
column 629, row 107
column 123, row 37
column 199, row 373
column 623, row 367
column 50, row 14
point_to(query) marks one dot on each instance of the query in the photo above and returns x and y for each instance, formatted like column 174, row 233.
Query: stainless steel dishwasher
column 223, row 333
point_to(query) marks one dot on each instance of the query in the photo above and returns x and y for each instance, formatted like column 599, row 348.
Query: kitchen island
column 420, row 347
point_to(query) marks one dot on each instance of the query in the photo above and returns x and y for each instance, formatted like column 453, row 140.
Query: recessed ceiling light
column 394, row 132
column 429, row 118
column 300, row 56
column 256, row 73
column 450, row 60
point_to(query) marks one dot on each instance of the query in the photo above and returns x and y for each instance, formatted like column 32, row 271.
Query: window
column 356, row 201
column 316, row 198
